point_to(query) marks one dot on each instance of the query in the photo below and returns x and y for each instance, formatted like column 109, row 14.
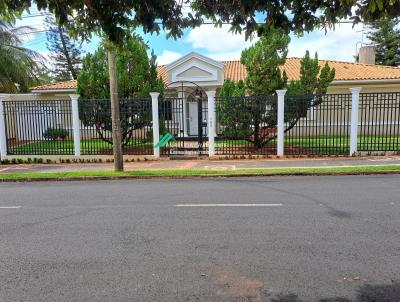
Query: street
column 278, row 239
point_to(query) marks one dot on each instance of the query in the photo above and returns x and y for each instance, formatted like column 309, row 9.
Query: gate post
column 281, row 122
column 76, row 124
column 156, row 126
column 355, row 97
column 3, row 134
column 211, row 122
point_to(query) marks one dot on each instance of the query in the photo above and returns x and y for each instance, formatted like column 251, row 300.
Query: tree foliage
column 263, row 63
column 137, row 74
column 112, row 18
column 385, row 35
column 137, row 77
column 19, row 66
column 254, row 117
column 64, row 51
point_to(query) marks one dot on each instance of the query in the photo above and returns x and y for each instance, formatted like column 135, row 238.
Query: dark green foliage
column 64, row 51
column 231, row 88
column 19, row 67
column 55, row 134
column 385, row 35
column 135, row 114
column 263, row 63
column 254, row 118
column 136, row 77
column 116, row 18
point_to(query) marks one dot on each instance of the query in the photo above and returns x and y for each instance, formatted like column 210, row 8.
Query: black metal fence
column 317, row 124
column 45, row 127
column 379, row 122
column 38, row 127
column 186, row 121
column 246, row 125
column 314, row 125
column 96, row 126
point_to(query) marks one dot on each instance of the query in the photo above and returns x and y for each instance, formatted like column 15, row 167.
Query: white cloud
column 220, row 44
column 338, row 44
column 167, row 57
column 217, row 40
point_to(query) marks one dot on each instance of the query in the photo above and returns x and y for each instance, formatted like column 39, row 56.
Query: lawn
column 188, row 173
column 325, row 144
column 66, row 147
column 319, row 145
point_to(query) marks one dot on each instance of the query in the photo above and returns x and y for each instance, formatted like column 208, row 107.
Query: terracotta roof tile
column 57, row 86
column 234, row 70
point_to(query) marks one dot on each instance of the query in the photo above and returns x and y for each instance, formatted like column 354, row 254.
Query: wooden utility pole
column 115, row 114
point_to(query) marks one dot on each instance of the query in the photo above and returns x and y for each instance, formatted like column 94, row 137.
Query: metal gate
column 183, row 112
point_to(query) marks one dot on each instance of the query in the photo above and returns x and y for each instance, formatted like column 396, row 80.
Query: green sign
column 164, row 140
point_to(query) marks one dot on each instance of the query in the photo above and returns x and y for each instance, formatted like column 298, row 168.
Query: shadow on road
column 366, row 293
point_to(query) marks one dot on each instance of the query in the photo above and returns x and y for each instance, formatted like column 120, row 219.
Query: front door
column 193, row 119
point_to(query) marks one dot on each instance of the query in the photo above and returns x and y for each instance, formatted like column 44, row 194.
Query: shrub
column 55, row 133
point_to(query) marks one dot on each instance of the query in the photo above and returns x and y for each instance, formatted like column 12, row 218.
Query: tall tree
column 137, row 74
column 263, row 63
column 65, row 52
column 137, row 77
column 385, row 35
column 116, row 18
column 254, row 117
column 19, row 66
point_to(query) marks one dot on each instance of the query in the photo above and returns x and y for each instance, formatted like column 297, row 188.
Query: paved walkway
column 208, row 164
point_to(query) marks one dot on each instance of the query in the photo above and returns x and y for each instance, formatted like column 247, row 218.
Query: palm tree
column 18, row 65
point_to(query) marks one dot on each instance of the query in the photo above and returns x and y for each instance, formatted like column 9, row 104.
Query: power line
column 159, row 23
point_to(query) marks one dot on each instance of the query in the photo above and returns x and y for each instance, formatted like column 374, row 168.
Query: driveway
column 280, row 239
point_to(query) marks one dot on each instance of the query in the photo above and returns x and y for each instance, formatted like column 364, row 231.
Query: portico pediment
column 195, row 68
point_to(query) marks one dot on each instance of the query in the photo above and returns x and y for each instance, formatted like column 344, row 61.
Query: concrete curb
column 200, row 176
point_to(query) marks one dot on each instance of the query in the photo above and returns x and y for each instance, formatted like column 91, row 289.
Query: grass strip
column 183, row 173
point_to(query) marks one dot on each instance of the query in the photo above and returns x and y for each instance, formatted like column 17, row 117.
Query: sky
column 218, row 43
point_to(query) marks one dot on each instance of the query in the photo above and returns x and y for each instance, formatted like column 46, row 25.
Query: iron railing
column 38, row 127
column 379, row 122
column 317, row 124
column 246, row 125
column 96, row 126
column 186, row 121
column 314, row 125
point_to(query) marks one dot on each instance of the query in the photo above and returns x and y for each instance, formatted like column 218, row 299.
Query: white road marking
column 230, row 205
column 11, row 207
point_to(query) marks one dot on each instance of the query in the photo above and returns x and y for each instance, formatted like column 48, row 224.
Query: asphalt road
column 331, row 238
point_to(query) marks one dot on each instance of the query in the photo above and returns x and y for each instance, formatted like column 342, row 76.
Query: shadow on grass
column 366, row 293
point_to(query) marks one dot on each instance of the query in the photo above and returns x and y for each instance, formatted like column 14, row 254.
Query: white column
column 76, row 124
column 211, row 122
column 156, row 126
column 181, row 95
column 3, row 135
column 355, row 97
column 281, row 122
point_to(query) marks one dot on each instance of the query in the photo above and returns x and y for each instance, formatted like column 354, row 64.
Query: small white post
column 355, row 97
column 211, row 122
column 76, row 124
column 3, row 135
column 281, row 122
column 156, row 126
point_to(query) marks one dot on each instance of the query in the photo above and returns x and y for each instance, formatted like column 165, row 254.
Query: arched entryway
column 184, row 113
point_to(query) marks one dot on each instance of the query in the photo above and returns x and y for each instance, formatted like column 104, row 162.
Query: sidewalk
column 215, row 165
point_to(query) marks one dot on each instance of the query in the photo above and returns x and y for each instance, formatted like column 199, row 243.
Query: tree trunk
column 115, row 114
